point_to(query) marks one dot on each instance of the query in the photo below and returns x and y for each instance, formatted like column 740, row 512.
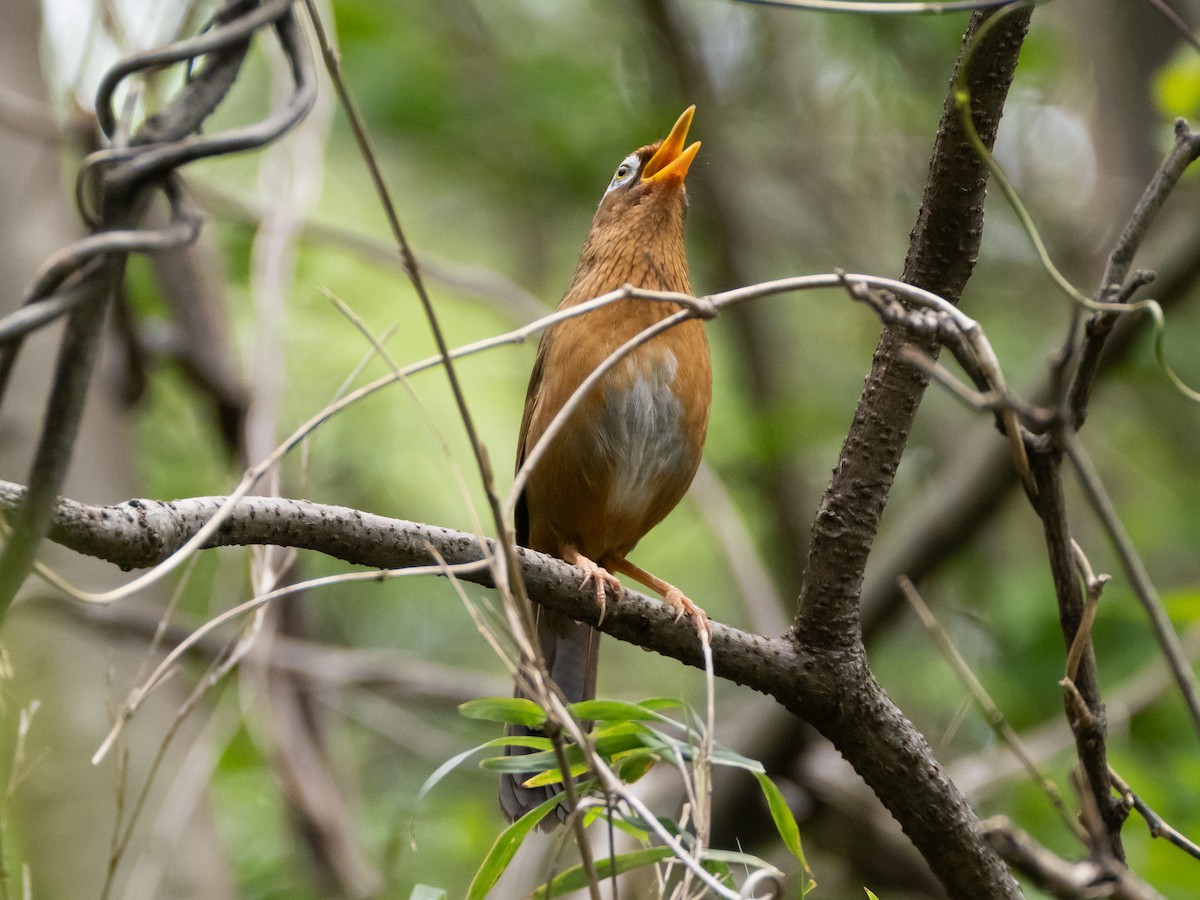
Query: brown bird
column 628, row 452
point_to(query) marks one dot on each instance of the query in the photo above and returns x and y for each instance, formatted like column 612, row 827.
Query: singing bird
column 627, row 454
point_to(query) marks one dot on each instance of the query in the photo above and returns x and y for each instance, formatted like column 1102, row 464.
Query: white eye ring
column 626, row 172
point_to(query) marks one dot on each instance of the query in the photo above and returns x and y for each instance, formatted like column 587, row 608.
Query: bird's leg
column 671, row 594
column 595, row 573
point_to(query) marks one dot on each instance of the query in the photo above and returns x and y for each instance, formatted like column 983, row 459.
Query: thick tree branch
column 143, row 533
column 839, row 695
column 860, row 720
column 943, row 249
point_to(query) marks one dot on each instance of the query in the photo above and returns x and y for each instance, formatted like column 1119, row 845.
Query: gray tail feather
column 569, row 648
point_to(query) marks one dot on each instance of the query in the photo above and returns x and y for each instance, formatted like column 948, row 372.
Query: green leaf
column 785, row 822
column 870, row 894
column 523, row 762
column 633, row 765
column 455, row 761
column 575, row 878
column 723, row 756
column 640, row 835
column 505, row 848
column 670, row 826
column 425, row 892
column 625, row 736
column 554, row 776
column 739, row 858
column 661, row 703
column 615, row 711
column 532, row 741
column 509, row 710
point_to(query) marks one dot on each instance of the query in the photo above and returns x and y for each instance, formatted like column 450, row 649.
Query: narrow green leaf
column 575, row 878
column 532, row 741
column 455, row 761
column 505, row 848
column 625, row 736
column 523, row 762
column 661, row 703
column 669, row 825
column 615, row 711
column 740, row 858
column 870, row 894
column 638, row 834
column 633, row 765
column 554, row 776
column 723, row 756
column 509, row 710
column 785, row 822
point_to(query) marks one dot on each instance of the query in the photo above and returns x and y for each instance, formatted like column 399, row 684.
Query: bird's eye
column 625, row 174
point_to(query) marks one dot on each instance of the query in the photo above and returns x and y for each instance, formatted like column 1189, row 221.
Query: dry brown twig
column 1088, row 879
column 1094, row 586
column 1159, row 828
column 992, row 714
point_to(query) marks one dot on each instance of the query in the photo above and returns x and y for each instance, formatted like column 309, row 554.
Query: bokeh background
column 498, row 125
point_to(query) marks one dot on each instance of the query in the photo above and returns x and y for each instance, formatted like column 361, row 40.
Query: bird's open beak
column 671, row 161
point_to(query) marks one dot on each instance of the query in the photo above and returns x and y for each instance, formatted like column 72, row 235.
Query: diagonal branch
column 941, row 257
column 1184, row 152
column 842, row 699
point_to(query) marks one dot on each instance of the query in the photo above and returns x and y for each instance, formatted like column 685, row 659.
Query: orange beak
column 671, row 161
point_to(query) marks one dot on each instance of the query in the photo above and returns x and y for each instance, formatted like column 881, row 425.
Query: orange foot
column 672, row 595
column 596, row 574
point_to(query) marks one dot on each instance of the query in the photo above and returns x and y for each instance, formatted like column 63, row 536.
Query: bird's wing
column 521, row 514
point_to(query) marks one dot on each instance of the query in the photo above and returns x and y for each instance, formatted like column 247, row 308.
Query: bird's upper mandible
column 664, row 162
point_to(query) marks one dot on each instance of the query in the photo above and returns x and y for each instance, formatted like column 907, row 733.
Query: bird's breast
column 642, row 435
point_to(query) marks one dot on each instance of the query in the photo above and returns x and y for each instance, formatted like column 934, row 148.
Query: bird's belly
column 642, row 440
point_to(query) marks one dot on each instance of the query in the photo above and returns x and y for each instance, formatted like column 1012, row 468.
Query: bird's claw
column 601, row 578
column 683, row 604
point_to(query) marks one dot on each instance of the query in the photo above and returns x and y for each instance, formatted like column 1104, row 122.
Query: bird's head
column 637, row 234
column 649, row 181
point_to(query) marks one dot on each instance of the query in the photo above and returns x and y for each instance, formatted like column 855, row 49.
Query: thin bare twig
column 165, row 666
column 992, row 713
column 1185, row 30
column 1159, row 828
column 1183, row 153
column 1135, row 571
column 1094, row 587
column 883, row 7
column 1085, row 880
column 1084, row 706
column 508, row 571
